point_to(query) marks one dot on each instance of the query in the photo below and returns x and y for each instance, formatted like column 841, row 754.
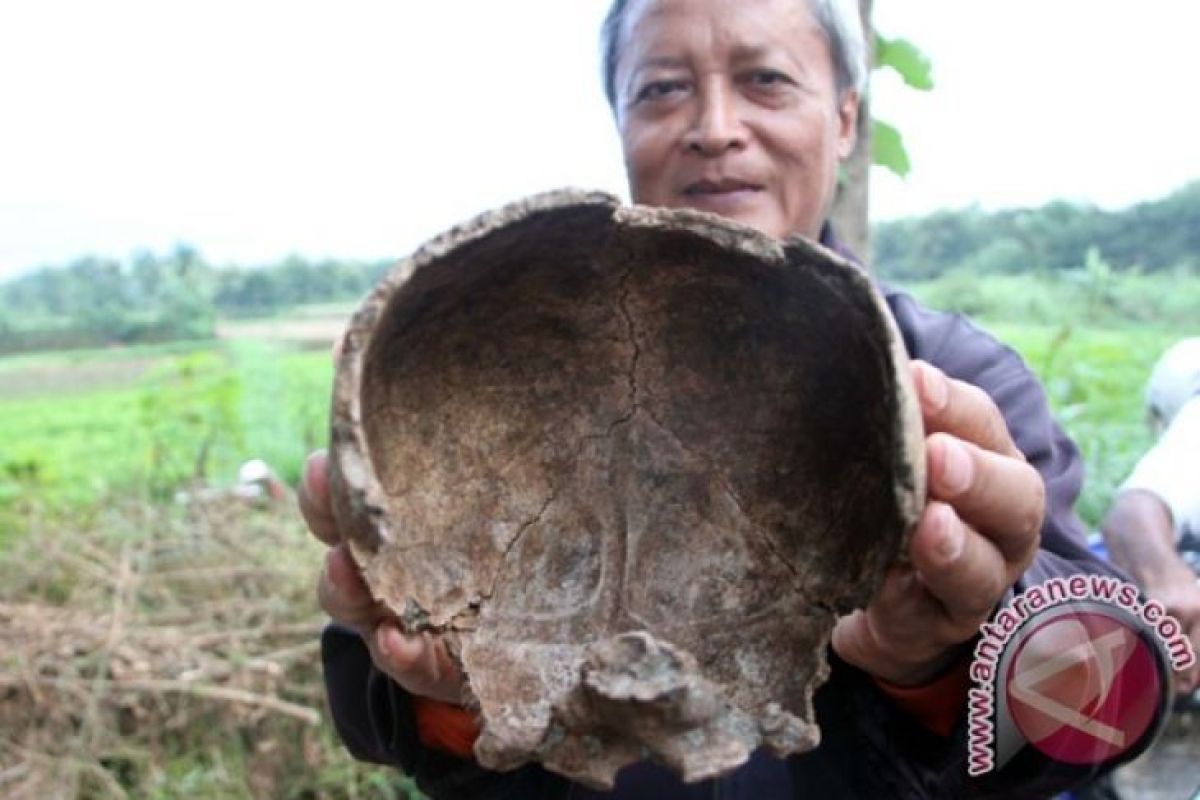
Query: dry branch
column 240, row 696
column 101, row 629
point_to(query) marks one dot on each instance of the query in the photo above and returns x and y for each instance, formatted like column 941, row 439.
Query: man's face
column 731, row 106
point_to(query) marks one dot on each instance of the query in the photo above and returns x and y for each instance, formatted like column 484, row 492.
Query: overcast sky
column 252, row 130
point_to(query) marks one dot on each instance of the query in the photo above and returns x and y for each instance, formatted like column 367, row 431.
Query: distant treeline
column 1162, row 235
column 151, row 298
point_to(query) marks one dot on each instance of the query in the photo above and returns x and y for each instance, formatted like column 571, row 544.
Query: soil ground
column 1170, row 769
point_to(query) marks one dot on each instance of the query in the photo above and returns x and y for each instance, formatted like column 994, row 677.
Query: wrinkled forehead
column 663, row 29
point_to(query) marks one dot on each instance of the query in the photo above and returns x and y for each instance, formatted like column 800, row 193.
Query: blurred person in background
column 1153, row 527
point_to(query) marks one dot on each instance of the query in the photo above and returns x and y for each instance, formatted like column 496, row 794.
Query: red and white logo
column 1076, row 670
column 1083, row 687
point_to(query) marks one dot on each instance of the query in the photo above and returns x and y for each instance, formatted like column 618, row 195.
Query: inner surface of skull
column 632, row 463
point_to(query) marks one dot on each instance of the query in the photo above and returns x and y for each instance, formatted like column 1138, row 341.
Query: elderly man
column 745, row 108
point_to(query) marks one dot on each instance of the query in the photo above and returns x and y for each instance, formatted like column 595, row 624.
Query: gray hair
column 839, row 20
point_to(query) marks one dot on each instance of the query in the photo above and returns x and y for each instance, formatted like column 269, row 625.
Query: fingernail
column 382, row 639
column 936, row 393
column 311, row 472
column 956, row 468
column 950, row 538
column 335, row 565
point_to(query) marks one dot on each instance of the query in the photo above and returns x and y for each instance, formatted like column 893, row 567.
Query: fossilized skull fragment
column 633, row 463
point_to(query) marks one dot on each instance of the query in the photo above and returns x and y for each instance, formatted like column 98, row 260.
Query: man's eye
column 658, row 90
column 768, row 78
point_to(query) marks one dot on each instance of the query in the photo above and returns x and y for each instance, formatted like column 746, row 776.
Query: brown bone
column 632, row 463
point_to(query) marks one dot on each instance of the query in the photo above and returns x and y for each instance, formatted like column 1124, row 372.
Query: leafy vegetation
column 97, row 301
column 183, row 417
column 1162, row 236
column 907, row 61
column 1092, row 336
column 1093, row 296
column 168, row 651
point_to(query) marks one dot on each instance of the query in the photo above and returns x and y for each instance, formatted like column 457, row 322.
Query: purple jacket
column 869, row 748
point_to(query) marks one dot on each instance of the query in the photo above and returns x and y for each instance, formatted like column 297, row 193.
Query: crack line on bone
column 512, row 543
column 623, row 293
column 723, row 481
column 622, row 296
column 630, row 374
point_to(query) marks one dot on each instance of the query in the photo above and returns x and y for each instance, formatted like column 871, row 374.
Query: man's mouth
column 727, row 197
column 723, row 187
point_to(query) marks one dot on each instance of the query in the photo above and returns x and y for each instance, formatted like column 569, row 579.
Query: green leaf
column 908, row 61
column 887, row 148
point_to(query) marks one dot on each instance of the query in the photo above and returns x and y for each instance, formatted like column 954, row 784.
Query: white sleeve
column 1171, row 469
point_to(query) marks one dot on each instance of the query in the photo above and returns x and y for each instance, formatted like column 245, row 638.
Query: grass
column 168, row 652
column 61, row 359
column 194, row 412
column 1094, row 379
column 1092, row 336
column 191, row 413
column 1092, row 297
column 95, row 444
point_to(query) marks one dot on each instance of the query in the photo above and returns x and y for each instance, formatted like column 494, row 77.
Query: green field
column 1095, row 379
column 1092, row 335
column 199, row 597
column 95, row 447
column 145, row 421
column 81, row 427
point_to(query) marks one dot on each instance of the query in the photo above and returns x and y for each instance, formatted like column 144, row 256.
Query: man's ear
column 848, row 108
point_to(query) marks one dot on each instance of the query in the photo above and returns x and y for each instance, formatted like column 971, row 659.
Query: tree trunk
column 849, row 215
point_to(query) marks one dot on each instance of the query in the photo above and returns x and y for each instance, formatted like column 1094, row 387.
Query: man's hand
column 1180, row 596
column 979, row 531
column 418, row 662
column 1140, row 533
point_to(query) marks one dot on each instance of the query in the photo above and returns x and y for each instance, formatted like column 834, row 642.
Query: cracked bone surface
column 632, row 463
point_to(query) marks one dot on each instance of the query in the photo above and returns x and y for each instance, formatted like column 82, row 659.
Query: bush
column 169, row 653
column 1093, row 295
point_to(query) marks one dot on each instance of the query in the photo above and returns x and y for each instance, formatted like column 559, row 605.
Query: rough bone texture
column 633, row 463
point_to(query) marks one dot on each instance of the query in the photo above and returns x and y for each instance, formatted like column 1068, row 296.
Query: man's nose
column 716, row 128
